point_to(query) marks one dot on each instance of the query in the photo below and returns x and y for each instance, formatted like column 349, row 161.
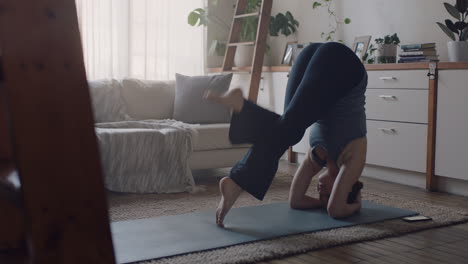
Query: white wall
column 413, row 20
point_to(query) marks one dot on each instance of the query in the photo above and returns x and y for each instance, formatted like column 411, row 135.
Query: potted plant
column 281, row 24
column 386, row 49
column 457, row 32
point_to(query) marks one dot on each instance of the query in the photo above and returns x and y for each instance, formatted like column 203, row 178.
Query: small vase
column 457, row 51
column 386, row 53
column 244, row 57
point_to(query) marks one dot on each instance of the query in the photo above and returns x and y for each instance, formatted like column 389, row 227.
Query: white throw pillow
column 106, row 97
column 190, row 107
column 146, row 99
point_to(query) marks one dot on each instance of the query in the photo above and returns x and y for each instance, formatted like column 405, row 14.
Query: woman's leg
column 298, row 70
column 253, row 122
column 332, row 71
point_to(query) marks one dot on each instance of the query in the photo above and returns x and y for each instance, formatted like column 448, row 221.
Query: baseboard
column 453, row 186
column 409, row 178
column 416, row 179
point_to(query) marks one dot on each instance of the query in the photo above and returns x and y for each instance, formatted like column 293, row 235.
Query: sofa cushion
column 107, row 101
column 213, row 137
column 146, row 99
column 190, row 107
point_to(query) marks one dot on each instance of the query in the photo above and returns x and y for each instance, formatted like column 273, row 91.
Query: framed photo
column 288, row 53
column 298, row 49
column 360, row 46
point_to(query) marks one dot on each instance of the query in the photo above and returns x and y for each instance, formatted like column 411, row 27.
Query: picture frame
column 298, row 49
column 360, row 46
column 288, row 53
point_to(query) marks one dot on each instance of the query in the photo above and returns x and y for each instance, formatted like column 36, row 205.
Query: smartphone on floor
column 416, row 218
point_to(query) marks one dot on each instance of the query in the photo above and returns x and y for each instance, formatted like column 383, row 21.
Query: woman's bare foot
column 230, row 191
column 234, row 99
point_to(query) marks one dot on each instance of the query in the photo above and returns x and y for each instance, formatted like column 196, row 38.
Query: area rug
column 126, row 207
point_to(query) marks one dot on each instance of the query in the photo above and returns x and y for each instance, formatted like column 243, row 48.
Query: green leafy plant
column 334, row 21
column 370, row 57
column 281, row 24
column 389, row 39
column 459, row 29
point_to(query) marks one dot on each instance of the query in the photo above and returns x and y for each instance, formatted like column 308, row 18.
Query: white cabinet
column 397, row 119
column 452, row 125
column 400, row 79
column 272, row 91
column 397, row 105
column 397, row 145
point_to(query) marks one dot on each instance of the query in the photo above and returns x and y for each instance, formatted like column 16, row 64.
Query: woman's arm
column 353, row 162
column 301, row 182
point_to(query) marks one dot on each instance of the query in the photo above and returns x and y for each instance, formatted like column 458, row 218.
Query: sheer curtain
column 146, row 39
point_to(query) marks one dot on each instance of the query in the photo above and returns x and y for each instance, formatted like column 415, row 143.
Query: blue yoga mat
column 165, row 236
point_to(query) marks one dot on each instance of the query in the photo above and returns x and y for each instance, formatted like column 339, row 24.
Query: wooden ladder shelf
column 259, row 44
column 52, row 195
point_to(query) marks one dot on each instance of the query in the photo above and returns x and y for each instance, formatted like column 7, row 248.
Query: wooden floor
column 440, row 245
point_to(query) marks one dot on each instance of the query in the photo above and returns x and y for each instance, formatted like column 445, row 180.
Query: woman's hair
column 352, row 196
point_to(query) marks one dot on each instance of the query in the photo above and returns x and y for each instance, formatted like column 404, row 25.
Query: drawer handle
column 388, row 97
column 388, row 78
column 388, row 130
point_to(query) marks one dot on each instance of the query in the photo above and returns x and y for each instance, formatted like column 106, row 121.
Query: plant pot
column 457, row 51
column 244, row 56
column 386, row 53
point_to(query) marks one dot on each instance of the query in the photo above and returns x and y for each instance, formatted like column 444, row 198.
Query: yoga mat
column 165, row 236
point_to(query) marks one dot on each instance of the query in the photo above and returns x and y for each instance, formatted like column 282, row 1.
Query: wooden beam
column 263, row 30
column 292, row 156
column 234, row 35
column 5, row 139
column 66, row 217
column 431, row 181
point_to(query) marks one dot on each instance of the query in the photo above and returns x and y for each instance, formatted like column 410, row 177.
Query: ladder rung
column 250, row 43
column 9, row 183
column 247, row 15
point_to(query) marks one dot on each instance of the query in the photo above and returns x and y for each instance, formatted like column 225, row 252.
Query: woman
column 326, row 90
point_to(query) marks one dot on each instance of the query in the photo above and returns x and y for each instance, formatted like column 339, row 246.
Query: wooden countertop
column 369, row 67
column 452, row 66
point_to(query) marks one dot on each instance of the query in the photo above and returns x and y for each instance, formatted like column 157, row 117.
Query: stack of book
column 418, row 53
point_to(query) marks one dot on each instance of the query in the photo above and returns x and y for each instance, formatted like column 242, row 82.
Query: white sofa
column 132, row 99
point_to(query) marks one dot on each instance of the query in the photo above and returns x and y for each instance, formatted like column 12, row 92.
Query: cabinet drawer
column 397, row 145
column 407, row 79
column 397, row 105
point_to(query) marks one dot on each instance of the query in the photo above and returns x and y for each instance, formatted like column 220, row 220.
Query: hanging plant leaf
column 197, row 17
column 316, row 5
column 447, row 31
column 453, row 11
